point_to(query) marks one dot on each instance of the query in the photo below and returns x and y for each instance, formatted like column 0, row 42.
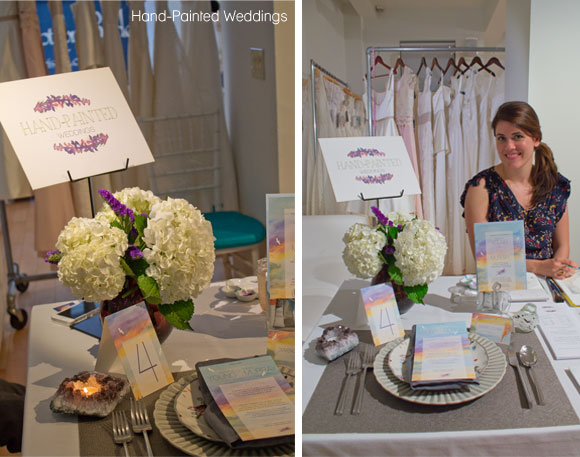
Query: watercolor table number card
column 129, row 336
column 494, row 328
column 500, row 255
column 382, row 313
column 77, row 123
column 374, row 167
column 280, row 246
column 253, row 396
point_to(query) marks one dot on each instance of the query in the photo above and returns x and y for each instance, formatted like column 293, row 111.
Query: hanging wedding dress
column 89, row 49
column 455, row 183
column 441, row 99
column 385, row 125
column 13, row 181
column 425, row 146
column 470, row 127
column 53, row 206
column 486, row 144
column 404, row 106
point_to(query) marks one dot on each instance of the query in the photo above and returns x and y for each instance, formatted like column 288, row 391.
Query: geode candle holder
column 89, row 393
column 336, row 341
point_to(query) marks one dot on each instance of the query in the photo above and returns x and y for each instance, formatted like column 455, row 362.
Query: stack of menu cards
column 441, row 356
column 560, row 327
column 249, row 403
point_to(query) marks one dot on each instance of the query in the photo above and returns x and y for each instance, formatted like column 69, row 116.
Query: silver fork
column 367, row 362
column 353, row 366
column 140, row 422
column 121, row 431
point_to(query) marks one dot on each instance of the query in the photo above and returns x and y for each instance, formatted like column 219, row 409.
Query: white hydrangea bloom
column 399, row 218
column 180, row 249
column 140, row 201
column 420, row 253
column 361, row 254
column 90, row 264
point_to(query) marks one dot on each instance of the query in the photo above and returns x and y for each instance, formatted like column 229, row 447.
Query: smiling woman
column 525, row 186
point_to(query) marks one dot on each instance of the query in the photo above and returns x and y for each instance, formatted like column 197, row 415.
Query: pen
column 562, row 293
column 555, row 293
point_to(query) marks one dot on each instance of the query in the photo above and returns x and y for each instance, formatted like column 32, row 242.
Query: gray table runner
column 96, row 435
column 501, row 408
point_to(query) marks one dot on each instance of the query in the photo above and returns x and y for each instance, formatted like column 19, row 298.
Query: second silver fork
column 368, row 360
column 140, row 422
column 353, row 366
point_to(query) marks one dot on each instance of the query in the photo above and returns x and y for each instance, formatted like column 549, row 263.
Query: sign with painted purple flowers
column 371, row 167
column 73, row 123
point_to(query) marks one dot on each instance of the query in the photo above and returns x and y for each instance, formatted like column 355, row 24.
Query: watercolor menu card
column 442, row 353
column 76, row 122
column 375, row 167
column 253, row 396
column 280, row 236
column 500, row 255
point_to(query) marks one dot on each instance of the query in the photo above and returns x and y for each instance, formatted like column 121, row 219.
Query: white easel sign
column 71, row 126
column 374, row 167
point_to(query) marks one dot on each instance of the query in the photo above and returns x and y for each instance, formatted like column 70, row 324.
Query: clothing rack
column 372, row 49
column 313, row 67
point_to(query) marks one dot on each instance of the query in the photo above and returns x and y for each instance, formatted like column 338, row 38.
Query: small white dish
column 246, row 295
column 229, row 291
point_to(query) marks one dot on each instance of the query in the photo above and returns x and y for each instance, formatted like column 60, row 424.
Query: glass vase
column 404, row 303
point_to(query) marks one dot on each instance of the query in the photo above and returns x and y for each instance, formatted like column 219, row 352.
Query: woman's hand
column 557, row 268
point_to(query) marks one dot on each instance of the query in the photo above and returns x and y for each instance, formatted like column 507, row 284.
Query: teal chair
column 236, row 233
column 187, row 165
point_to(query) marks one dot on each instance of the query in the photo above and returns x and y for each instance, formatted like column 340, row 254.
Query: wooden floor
column 13, row 352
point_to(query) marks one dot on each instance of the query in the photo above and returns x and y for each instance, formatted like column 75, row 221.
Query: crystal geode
column 336, row 341
column 89, row 393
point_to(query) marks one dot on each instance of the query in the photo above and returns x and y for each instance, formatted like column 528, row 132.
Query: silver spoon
column 528, row 359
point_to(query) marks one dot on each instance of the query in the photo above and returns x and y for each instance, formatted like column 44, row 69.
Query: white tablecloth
column 223, row 328
column 341, row 308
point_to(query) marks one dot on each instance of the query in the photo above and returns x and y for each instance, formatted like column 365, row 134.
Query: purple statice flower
column 391, row 223
column 135, row 252
column 53, row 256
column 399, row 226
column 388, row 249
column 437, row 228
column 133, row 233
column 383, row 220
column 118, row 207
column 145, row 214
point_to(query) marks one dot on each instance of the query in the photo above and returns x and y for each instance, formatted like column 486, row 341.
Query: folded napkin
column 431, row 385
column 218, row 422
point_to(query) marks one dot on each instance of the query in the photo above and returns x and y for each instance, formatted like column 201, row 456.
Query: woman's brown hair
column 544, row 173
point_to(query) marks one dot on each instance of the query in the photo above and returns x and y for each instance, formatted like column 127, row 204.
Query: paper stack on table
column 560, row 327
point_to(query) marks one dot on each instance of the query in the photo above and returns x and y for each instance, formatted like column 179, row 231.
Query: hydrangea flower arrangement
column 139, row 247
column 411, row 251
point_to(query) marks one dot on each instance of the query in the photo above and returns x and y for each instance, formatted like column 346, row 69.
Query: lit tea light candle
column 87, row 388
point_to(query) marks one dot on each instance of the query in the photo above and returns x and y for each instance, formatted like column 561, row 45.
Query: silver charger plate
column 184, row 439
column 492, row 375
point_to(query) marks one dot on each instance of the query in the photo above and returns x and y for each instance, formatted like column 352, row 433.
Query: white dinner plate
column 493, row 374
column 400, row 356
column 184, row 439
column 191, row 413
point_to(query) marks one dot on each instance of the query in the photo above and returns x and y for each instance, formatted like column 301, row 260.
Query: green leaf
column 416, row 293
column 117, row 224
column 139, row 266
column 179, row 313
column 393, row 232
column 140, row 223
column 127, row 269
column 149, row 289
column 395, row 274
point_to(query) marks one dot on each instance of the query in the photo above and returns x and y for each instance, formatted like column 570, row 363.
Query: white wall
column 323, row 37
column 553, row 81
column 250, row 105
column 517, row 45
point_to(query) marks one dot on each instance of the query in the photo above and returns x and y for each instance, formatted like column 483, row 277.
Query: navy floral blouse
column 539, row 221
